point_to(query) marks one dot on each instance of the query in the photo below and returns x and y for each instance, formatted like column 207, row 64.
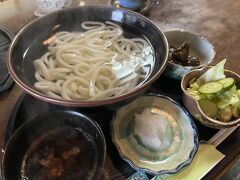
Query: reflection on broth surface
column 95, row 64
column 62, row 153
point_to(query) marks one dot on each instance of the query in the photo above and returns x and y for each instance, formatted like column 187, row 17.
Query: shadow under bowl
column 27, row 46
column 33, row 135
column 199, row 47
column 192, row 104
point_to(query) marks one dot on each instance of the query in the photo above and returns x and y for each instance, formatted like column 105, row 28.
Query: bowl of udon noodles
column 88, row 56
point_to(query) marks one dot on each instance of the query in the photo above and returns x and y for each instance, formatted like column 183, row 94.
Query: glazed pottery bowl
column 199, row 47
column 47, row 6
column 51, row 137
column 178, row 141
column 27, row 46
column 193, row 107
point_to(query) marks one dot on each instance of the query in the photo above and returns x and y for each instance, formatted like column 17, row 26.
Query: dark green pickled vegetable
column 180, row 55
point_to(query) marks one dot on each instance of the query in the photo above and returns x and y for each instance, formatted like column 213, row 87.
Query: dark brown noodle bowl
column 27, row 46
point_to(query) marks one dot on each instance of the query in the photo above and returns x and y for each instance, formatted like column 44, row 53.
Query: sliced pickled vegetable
column 227, row 83
column 218, row 95
column 211, row 88
column 236, row 110
column 208, row 107
column 225, row 114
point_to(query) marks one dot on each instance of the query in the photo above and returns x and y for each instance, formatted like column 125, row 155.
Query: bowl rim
column 181, row 165
column 29, row 122
column 77, row 103
column 217, row 122
column 192, row 34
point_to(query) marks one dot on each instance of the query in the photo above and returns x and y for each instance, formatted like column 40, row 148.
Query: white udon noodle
column 79, row 65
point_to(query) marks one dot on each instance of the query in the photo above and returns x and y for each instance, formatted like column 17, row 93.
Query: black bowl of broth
column 56, row 145
column 33, row 41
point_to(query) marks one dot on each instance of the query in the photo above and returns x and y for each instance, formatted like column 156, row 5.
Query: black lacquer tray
column 5, row 79
column 27, row 107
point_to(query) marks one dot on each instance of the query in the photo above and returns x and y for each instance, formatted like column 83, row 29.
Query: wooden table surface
column 216, row 20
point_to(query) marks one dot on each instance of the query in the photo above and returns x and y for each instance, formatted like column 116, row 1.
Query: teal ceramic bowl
column 167, row 140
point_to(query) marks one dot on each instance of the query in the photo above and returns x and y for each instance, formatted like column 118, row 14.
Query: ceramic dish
column 27, row 46
column 140, row 6
column 62, row 145
column 193, row 107
column 199, row 47
column 180, row 133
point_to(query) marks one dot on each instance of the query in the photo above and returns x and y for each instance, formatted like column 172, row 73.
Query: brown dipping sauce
column 60, row 154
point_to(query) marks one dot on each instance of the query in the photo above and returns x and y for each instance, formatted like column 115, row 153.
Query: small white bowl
column 199, row 47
